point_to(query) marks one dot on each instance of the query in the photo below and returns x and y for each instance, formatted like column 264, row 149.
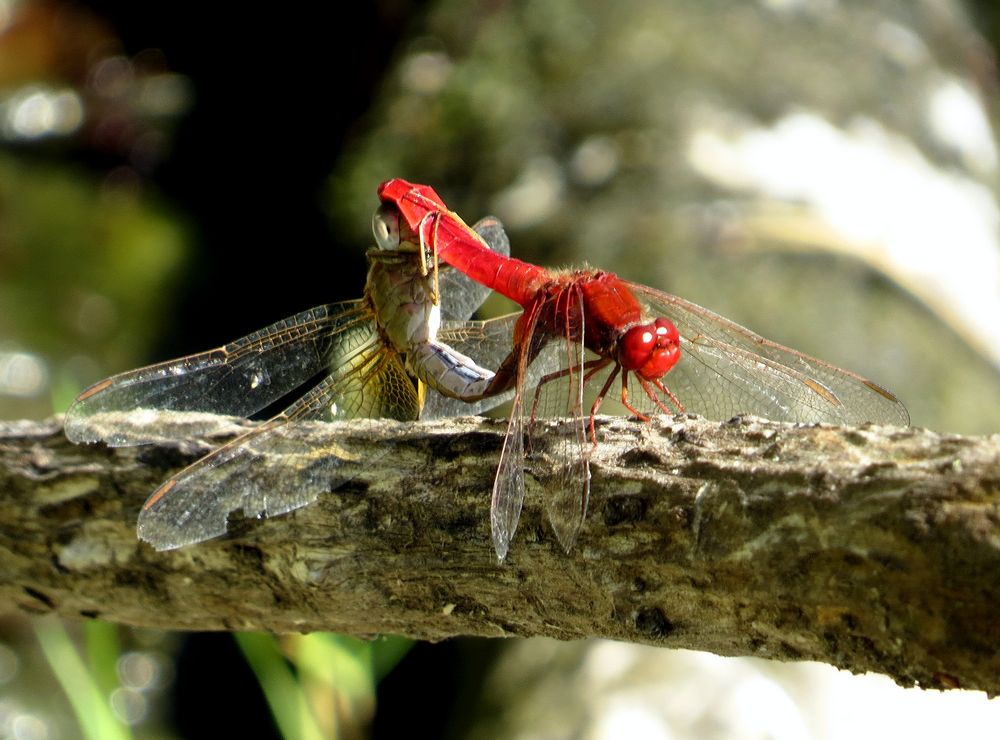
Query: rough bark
column 872, row 549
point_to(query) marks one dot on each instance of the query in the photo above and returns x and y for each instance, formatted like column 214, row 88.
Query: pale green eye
column 385, row 227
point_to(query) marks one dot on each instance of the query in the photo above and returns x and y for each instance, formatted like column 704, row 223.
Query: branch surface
column 872, row 549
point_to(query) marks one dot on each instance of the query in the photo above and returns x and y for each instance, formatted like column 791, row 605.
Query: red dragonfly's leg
column 600, row 397
column 670, row 394
column 644, row 384
column 591, row 367
column 625, row 402
column 666, row 391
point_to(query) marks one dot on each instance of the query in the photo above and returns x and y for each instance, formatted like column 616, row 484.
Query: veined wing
column 491, row 343
column 250, row 373
column 563, row 391
column 274, row 468
column 237, row 379
column 508, row 485
column 726, row 369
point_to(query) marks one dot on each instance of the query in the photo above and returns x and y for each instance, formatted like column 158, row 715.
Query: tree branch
column 872, row 549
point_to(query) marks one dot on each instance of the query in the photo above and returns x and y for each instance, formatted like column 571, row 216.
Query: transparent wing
column 568, row 498
column 538, row 363
column 490, row 343
column 460, row 294
column 249, row 374
column 237, row 379
column 271, row 469
column 275, row 468
column 727, row 370
column 508, row 486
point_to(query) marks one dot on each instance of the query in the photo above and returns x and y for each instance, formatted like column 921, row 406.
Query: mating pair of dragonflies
column 651, row 351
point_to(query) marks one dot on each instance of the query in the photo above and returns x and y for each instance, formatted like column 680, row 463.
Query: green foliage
column 88, row 687
column 323, row 684
column 85, row 269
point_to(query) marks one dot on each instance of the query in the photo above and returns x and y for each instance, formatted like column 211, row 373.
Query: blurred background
column 822, row 171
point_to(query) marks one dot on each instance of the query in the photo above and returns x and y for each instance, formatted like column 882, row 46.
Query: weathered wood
column 872, row 549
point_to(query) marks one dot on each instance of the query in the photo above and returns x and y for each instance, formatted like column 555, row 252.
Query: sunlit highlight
column 36, row 112
column 22, row 375
column 932, row 230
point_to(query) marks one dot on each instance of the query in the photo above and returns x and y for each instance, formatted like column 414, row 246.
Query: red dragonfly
column 604, row 329
column 362, row 355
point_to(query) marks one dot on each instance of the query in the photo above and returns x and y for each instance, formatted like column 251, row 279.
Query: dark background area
column 249, row 163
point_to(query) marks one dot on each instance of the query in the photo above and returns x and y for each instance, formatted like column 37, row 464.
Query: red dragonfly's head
column 650, row 350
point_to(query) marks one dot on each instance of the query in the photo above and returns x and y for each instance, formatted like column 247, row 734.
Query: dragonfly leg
column 590, row 367
column 625, row 402
column 667, row 392
column 436, row 290
column 427, row 230
column 600, row 396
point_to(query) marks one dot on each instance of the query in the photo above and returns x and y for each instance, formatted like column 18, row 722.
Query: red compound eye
column 650, row 350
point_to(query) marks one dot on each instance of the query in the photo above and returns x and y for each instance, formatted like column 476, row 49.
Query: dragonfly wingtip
column 154, row 542
column 501, row 551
